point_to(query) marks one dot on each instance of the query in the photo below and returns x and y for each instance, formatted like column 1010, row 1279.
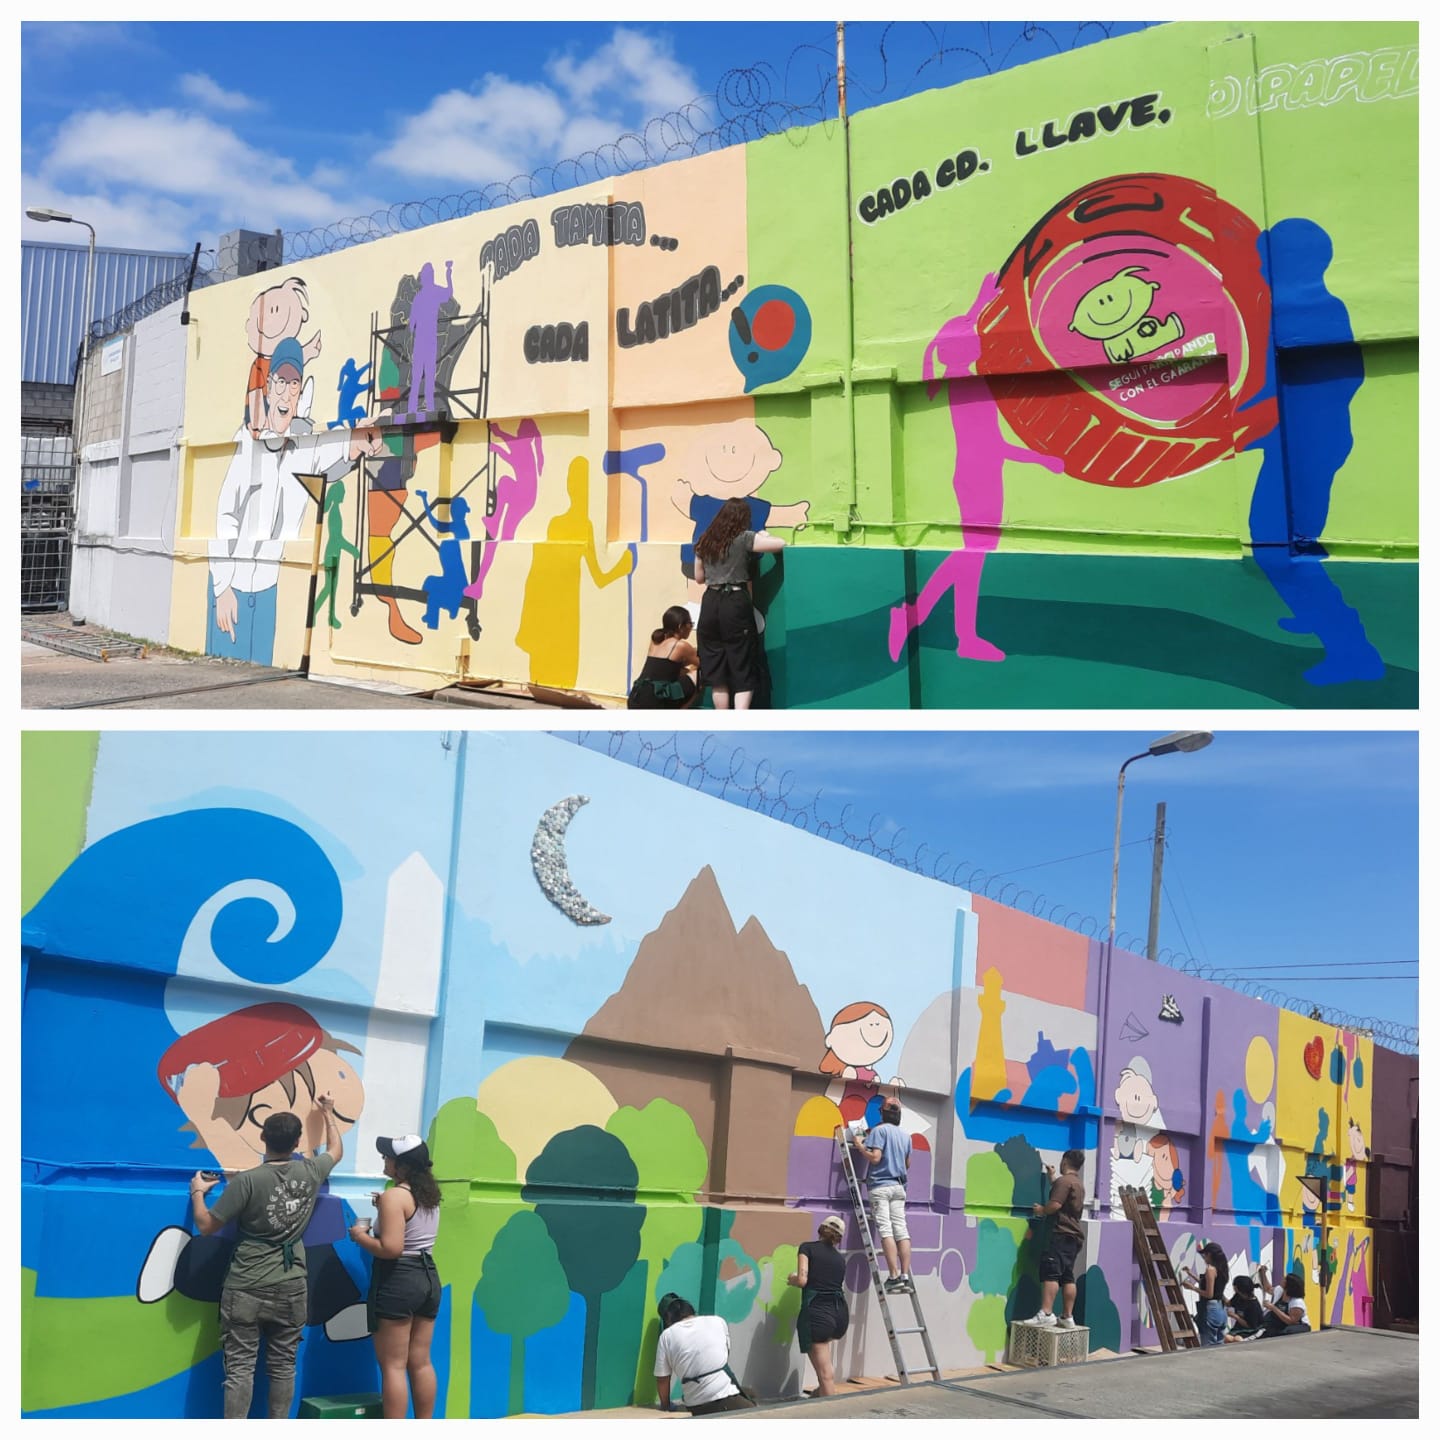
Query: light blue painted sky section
column 369, row 800
column 635, row 848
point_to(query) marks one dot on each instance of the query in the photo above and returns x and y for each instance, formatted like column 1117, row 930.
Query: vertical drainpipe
column 457, row 742
column 848, row 381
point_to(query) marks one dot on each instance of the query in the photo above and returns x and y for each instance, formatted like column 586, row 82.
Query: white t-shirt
column 691, row 1347
column 1294, row 1306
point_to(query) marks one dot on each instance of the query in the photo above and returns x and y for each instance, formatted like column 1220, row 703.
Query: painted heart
column 1314, row 1056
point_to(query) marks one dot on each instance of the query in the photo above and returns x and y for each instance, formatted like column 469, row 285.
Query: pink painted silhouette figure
column 515, row 494
column 980, row 454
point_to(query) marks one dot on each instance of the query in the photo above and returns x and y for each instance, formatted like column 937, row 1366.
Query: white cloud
column 193, row 160
column 504, row 130
column 507, row 128
column 131, row 220
column 205, row 91
column 632, row 65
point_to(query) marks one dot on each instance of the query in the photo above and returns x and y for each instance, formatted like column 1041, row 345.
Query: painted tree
column 996, row 1249
column 522, row 1290
column 477, row 1196
column 582, row 1185
column 670, row 1161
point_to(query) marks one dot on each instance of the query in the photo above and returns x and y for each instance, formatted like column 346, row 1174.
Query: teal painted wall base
column 1083, row 632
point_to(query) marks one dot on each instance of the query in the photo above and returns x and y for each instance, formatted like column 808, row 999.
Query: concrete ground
column 160, row 679
column 1335, row 1374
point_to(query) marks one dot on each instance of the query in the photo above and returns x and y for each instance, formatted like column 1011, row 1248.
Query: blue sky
column 1285, row 848
column 164, row 133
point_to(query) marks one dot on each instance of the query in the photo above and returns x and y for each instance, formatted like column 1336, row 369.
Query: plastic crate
column 341, row 1407
column 1038, row 1345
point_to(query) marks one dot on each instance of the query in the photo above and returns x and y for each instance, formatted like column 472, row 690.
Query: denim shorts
column 404, row 1288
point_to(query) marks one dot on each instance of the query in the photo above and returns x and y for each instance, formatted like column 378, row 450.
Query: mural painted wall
column 582, row 981
column 1114, row 402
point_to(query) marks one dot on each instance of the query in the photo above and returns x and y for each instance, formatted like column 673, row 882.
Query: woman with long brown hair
column 404, row 1284
column 729, row 644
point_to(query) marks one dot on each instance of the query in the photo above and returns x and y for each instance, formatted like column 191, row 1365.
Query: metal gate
column 47, row 520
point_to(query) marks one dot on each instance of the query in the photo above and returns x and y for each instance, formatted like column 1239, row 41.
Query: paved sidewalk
column 1335, row 1374
column 155, row 678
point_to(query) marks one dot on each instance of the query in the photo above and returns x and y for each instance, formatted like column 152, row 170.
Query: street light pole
column 1182, row 741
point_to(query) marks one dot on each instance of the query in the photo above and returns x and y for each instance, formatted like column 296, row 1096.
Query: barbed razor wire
column 751, row 102
column 722, row 769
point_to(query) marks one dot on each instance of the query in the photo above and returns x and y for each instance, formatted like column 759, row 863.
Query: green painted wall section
column 58, row 767
column 1105, row 630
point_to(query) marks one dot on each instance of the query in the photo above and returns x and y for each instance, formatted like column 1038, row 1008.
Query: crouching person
column 697, row 1349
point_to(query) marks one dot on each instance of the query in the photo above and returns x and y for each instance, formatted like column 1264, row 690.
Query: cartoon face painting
column 860, row 1036
column 730, row 460
column 1135, row 1093
column 230, row 1075
column 1116, row 313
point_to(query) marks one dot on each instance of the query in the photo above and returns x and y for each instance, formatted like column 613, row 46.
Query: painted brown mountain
column 697, row 984
column 714, row 1021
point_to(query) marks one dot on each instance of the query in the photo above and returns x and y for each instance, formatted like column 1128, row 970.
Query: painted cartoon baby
column 228, row 1076
column 859, row 1038
column 1116, row 312
column 729, row 462
column 276, row 314
column 1359, row 1150
column 1131, row 1162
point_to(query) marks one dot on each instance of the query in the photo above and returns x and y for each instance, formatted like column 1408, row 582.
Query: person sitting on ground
column 1067, row 1236
column 1209, row 1287
column 1247, row 1314
column 887, row 1148
column 667, row 680
column 824, row 1312
column 1285, row 1312
column 697, row 1349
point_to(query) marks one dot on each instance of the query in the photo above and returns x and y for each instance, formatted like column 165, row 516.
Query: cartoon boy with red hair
column 228, row 1076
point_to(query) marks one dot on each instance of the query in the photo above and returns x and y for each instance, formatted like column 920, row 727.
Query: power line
column 1322, row 965
column 1336, row 979
column 1084, row 855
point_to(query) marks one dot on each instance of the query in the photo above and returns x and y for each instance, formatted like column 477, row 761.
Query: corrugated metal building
column 52, row 288
column 52, row 296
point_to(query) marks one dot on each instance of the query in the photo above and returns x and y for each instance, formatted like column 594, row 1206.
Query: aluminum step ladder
column 892, row 1331
column 1173, row 1321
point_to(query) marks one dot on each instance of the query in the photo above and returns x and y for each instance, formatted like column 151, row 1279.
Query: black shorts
column 405, row 1288
column 729, row 644
column 824, row 1315
column 1058, row 1261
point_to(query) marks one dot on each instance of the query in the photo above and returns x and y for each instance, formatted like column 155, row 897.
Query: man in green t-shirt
column 265, row 1290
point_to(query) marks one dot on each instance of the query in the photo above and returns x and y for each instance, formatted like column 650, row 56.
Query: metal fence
column 47, row 489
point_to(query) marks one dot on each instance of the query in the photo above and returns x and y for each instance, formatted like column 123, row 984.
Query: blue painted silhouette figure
column 1249, row 1200
column 446, row 591
column 352, row 385
column 1314, row 367
column 424, row 326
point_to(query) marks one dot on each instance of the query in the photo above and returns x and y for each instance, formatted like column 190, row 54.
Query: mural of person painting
column 227, row 1076
column 262, row 504
column 729, row 462
column 276, row 314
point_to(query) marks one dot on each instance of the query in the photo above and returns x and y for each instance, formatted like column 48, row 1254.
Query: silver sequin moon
column 547, row 856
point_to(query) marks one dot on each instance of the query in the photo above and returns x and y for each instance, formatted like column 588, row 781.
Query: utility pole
column 840, row 67
column 1157, row 865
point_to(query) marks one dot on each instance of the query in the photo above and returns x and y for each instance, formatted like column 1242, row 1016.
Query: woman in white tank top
column 404, row 1284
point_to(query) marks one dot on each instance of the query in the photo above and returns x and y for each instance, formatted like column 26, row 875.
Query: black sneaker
column 895, row 1285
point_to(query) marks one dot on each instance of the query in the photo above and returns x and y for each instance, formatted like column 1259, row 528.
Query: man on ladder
column 887, row 1148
